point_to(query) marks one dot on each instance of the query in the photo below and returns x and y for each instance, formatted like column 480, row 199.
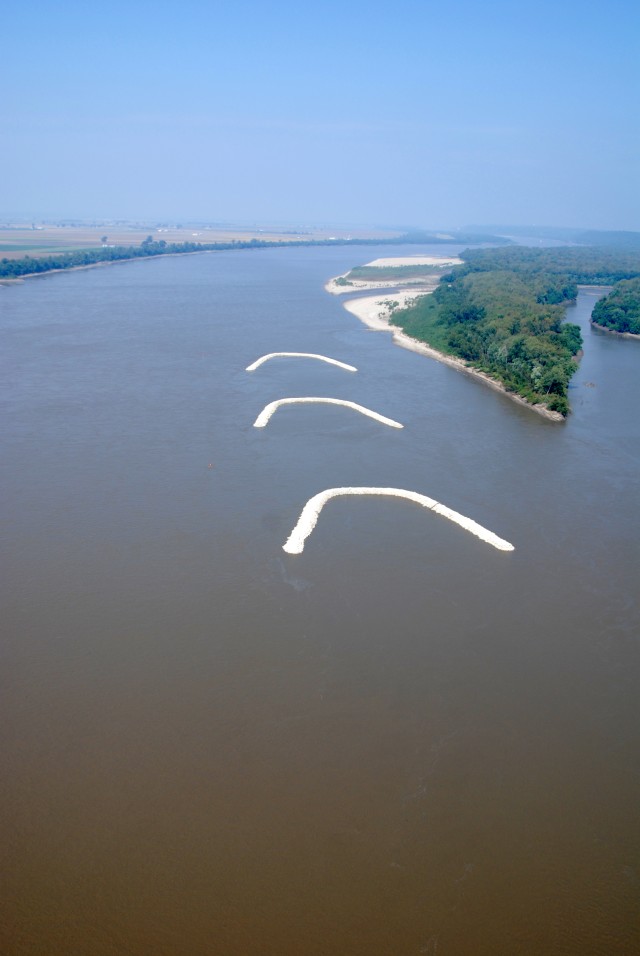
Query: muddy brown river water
column 401, row 741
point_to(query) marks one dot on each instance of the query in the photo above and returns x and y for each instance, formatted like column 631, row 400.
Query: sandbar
column 420, row 285
column 394, row 261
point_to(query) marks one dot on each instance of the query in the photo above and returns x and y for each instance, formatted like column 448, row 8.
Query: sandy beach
column 375, row 312
column 420, row 285
column 394, row 261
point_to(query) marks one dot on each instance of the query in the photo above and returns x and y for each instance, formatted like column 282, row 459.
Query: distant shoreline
column 13, row 280
column 374, row 312
column 9, row 280
column 153, row 251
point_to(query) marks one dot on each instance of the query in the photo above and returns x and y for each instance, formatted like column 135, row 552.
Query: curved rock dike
column 272, row 407
column 311, row 512
column 311, row 355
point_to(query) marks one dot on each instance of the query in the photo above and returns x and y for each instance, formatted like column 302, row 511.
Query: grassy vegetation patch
column 386, row 273
column 422, row 321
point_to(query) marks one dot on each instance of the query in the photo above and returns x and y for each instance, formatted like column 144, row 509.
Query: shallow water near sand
column 400, row 741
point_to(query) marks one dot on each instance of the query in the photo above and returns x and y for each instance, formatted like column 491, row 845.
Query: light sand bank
column 420, row 285
column 415, row 261
column 375, row 312
column 311, row 512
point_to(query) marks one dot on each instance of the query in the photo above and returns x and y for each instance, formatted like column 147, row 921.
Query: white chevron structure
column 311, row 511
column 268, row 410
column 311, row 355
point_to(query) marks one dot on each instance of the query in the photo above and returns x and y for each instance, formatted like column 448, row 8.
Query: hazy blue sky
column 413, row 113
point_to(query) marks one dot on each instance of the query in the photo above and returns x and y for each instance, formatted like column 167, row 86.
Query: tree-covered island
column 502, row 311
column 620, row 310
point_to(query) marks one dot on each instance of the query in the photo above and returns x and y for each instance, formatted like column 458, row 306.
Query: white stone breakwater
column 311, row 511
column 272, row 407
column 311, row 355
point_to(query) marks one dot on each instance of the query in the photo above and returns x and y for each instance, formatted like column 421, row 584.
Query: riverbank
column 138, row 257
column 10, row 280
column 622, row 335
column 90, row 265
column 375, row 313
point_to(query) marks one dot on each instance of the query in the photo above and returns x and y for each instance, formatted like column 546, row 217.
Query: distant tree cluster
column 588, row 265
column 620, row 310
column 455, row 238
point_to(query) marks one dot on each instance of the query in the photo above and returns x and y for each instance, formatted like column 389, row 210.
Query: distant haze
column 407, row 114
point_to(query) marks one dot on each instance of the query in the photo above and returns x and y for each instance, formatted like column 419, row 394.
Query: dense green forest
column 620, row 310
column 502, row 311
column 586, row 265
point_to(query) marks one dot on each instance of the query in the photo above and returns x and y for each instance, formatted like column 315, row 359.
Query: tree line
column 584, row 265
column 30, row 265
